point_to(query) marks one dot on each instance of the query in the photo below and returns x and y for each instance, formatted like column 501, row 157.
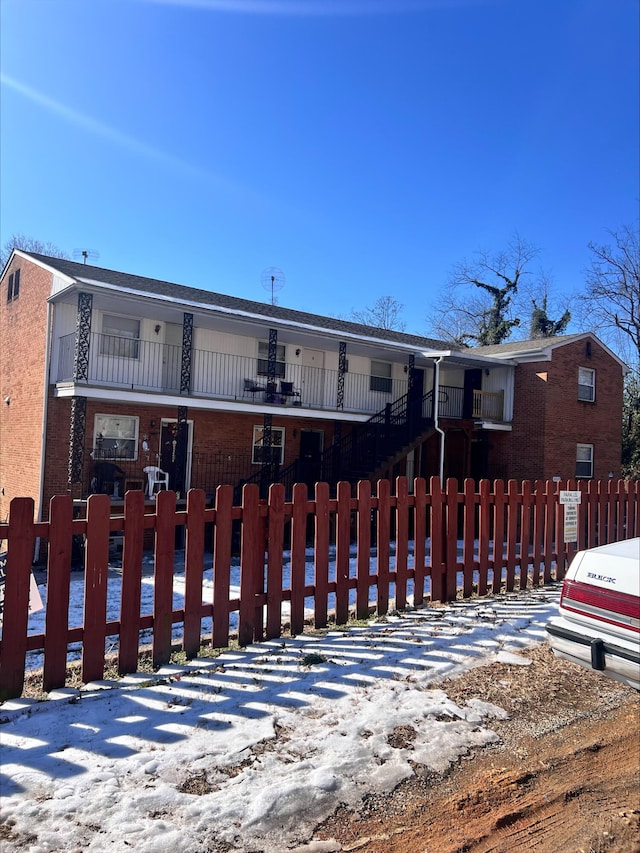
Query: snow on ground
column 253, row 748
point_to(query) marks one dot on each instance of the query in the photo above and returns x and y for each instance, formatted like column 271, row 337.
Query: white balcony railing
column 152, row 366
column 488, row 405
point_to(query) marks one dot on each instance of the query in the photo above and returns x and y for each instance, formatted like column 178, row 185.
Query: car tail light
column 607, row 605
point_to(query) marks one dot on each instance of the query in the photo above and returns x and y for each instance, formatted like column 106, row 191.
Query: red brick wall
column 519, row 454
column 549, row 420
column 22, row 357
column 228, row 433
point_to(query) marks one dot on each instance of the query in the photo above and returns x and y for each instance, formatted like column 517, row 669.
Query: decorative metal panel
column 268, row 468
column 187, row 350
column 273, row 350
column 83, row 336
column 76, row 438
column 342, row 369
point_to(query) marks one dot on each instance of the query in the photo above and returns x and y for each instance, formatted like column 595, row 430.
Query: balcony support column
column 76, row 439
column 272, row 356
column 342, row 369
column 187, row 350
column 83, row 335
column 267, row 470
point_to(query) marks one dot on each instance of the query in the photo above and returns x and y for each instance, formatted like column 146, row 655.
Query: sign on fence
column 570, row 500
column 35, row 602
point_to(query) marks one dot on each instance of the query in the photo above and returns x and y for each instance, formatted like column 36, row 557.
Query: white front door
column 313, row 378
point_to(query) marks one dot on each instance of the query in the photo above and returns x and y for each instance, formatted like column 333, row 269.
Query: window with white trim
column 584, row 461
column 380, row 378
column 115, row 437
column 259, row 454
column 263, row 359
column 586, row 384
column 120, row 336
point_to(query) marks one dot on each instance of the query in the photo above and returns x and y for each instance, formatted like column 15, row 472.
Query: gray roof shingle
column 157, row 287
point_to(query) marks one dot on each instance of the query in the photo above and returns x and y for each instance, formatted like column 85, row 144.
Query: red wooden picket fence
column 425, row 545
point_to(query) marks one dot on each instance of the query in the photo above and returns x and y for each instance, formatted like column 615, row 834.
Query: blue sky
column 361, row 146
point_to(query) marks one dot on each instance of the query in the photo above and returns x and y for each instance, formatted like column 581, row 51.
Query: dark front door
column 311, row 442
column 173, row 454
column 472, row 382
column 414, row 399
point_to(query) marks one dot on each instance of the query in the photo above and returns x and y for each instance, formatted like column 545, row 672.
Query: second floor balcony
column 151, row 366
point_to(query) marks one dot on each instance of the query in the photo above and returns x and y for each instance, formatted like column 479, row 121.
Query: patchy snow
column 253, row 748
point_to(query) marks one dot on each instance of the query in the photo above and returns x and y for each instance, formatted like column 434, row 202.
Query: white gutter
column 436, row 414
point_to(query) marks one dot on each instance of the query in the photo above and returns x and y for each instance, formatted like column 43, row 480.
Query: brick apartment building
column 104, row 374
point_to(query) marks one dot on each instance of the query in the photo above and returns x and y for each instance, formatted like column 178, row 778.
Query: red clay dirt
column 564, row 777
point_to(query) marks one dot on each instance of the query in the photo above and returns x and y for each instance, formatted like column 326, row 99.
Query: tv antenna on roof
column 86, row 254
column 272, row 279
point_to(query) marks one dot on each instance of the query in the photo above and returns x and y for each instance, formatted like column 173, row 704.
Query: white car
column 599, row 622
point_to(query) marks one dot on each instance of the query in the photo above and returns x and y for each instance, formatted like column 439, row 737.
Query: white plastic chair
column 157, row 477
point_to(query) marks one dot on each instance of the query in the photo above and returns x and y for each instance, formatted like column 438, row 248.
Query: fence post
column 621, row 497
column 321, row 555
column 193, row 571
column 363, row 549
column 468, row 537
column 343, row 542
column 298, row 560
column 558, row 526
column 538, row 529
column 382, row 545
column 20, row 550
column 484, row 536
column 275, row 532
column 419, row 537
column 165, row 553
column 438, row 587
column 222, row 565
column 525, row 533
column 251, row 560
column 498, row 534
column 592, row 503
column 131, row 594
column 58, row 592
column 402, row 536
column 512, row 532
column 550, row 498
column 603, row 533
column 451, row 540
column 96, row 571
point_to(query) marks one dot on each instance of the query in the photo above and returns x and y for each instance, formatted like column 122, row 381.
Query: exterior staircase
column 367, row 450
column 387, row 437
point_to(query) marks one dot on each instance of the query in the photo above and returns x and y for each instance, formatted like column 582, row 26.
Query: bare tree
column 385, row 313
column 464, row 315
column 612, row 299
column 29, row 244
